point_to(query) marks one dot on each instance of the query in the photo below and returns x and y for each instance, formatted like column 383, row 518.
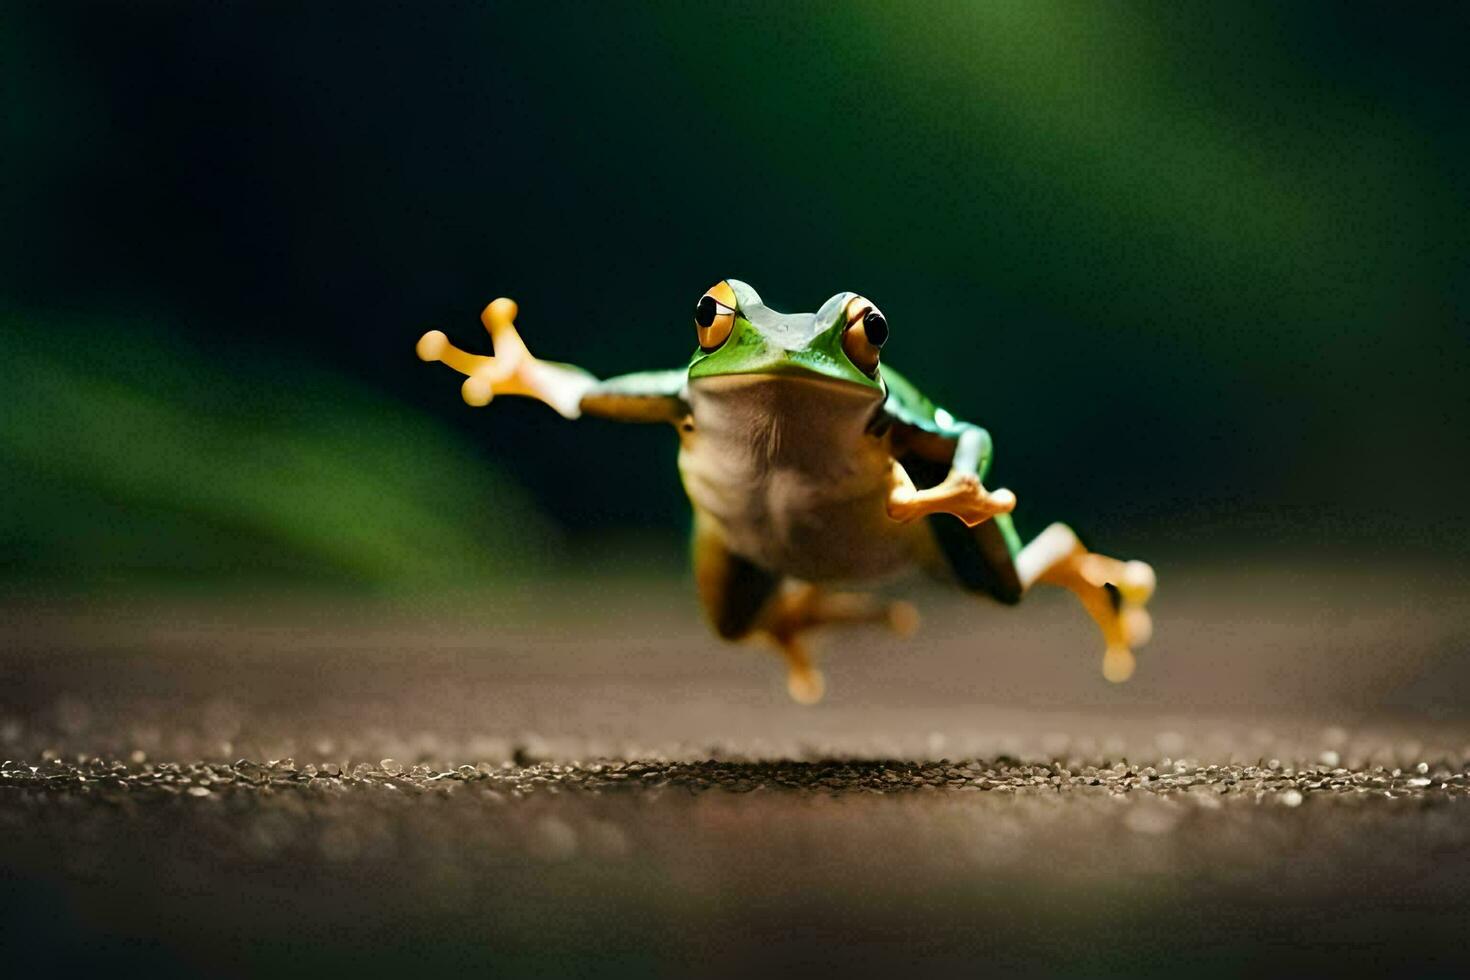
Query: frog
column 817, row 473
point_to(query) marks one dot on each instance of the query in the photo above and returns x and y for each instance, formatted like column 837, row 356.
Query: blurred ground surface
column 571, row 779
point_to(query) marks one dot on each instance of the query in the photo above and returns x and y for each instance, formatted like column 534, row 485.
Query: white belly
column 786, row 471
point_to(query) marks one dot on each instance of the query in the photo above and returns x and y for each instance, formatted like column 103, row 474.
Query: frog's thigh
column 732, row 590
column 981, row 558
column 738, row 595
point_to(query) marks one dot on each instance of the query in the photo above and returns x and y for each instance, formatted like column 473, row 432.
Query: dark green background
column 1200, row 268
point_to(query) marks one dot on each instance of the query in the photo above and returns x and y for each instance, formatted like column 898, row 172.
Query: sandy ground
column 562, row 779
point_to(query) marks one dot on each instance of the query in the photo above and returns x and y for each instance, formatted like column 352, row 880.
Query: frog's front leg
column 654, row 396
column 960, row 493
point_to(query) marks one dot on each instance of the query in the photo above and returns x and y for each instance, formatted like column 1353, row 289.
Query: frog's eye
column 865, row 334
column 714, row 316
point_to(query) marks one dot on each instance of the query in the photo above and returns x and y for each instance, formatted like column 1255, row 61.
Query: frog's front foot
column 512, row 370
column 960, row 494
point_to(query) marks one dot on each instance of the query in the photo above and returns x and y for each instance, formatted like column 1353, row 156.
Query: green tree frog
column 811, row 465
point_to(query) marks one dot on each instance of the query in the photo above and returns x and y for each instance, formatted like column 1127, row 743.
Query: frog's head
column 740, row 335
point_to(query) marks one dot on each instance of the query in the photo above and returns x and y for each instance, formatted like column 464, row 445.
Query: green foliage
column 126, row 455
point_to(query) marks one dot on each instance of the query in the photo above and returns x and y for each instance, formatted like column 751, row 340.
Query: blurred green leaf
column 128, row 455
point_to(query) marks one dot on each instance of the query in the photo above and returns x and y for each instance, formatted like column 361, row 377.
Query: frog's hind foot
column 804, row 681
column 802, row 607
column 512, row 370
column 1115, row 593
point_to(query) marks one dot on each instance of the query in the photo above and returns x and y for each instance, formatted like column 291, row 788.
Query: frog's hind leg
column 801, row 606
column 989, row 559
column 1113, row 592
column 742, row 599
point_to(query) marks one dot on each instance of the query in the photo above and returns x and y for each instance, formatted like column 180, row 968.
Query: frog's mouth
column 803, row 366
column 796, row 383
column 826, row 412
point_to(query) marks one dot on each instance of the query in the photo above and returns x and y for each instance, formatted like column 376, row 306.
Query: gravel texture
column 118, row 783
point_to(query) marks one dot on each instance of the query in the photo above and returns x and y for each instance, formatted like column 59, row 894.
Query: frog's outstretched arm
column 651, row 396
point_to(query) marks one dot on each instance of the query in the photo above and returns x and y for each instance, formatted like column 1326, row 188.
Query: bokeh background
column 299, row 654
column 1200, row 269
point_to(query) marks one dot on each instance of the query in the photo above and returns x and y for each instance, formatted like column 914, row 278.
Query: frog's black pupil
column 704, row 311
column 876, row 328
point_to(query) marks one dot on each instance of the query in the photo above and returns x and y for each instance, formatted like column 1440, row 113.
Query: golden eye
column 865, row 334
column 714, row 316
